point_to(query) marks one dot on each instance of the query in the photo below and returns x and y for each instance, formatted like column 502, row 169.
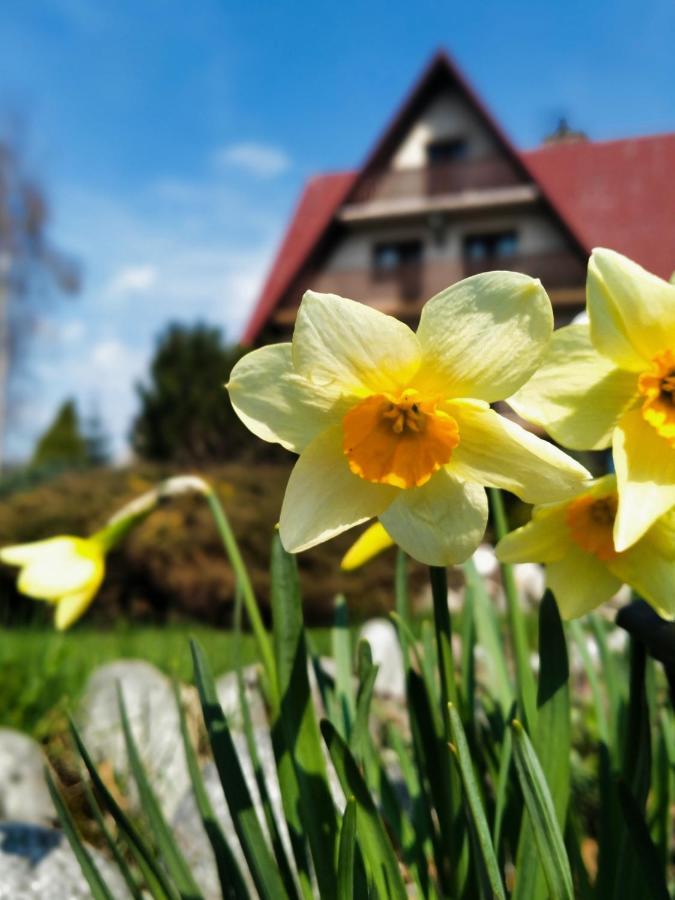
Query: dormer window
column 446, row 150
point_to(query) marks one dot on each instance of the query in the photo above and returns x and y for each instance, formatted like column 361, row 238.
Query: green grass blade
column 144, row 854
column 98, row 887
column 579, row 634
column 378, row 853
column 502, row 790
column 548, row 838
column 644, row 851
column 249, row 831
column 174, row 860
column 232, row 884
column 298, row 721
column 342, row 655
column 525, row 685
column 345, row 870
column 402, row 602
column 475, row 806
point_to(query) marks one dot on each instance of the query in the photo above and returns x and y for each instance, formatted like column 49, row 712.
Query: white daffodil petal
column 577, row 395
column 61, row 567
column 324, row 498
column 21, row 554
column 277, row 404
column 373, row 541
column 484, row 337
column 580, row 583
column 73, row 606
column 498, row 453
column 632, row 312
column 545, row 538
column 645, row 474
column 650, row 573
column 440, row 523
column 351, row 347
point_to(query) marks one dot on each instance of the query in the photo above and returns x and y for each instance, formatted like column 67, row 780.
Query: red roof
column 617, row 194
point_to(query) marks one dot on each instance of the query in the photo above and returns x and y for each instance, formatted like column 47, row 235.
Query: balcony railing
column 438, row 179
column 403, row 291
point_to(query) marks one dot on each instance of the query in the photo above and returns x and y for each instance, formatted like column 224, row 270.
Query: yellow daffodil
column 374, row 540
column 583, row 568
column 612, row 381
column 65, row 571
column 397, row 424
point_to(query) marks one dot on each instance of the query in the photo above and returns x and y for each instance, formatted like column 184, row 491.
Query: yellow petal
column 483, row 337
column 577, row 395
column 649, row 572
column 440, row 523
column 277, row 404
column 72, row 606
column 580, row 583
column 645, row 473
column 351, row 347
column 545, row 538
column 498, row 453
column 373, row 541
column 632, row 312
column 60, row 566
column 324, row 498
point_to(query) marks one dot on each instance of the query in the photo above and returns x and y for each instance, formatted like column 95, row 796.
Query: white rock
column 153, row 716
column 485, row 561
column 386, row 652
column 36, row 863
column 23, row 790
column 227, row 689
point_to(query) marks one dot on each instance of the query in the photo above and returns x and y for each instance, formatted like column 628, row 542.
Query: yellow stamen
column 591, row 522
column 658, row 388
column 400, row 441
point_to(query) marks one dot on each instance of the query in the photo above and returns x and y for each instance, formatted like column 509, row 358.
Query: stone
column 23, row 790
column 227, row 689
column 36, row 863
column 386, row 652
column 154, row 721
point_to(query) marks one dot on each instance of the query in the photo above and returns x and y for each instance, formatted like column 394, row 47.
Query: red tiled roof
column 320, row 200
column 617, row 194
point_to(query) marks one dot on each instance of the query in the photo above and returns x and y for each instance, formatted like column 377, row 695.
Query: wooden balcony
column 404, row 291
column 438, row 179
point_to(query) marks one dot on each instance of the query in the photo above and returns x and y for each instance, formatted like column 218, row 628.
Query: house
column 444, row 194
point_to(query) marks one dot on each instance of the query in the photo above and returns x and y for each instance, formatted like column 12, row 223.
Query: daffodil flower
column 612, row 381
column 574, row 539
column 397, row 425
column 65, row 571
column 373, row 541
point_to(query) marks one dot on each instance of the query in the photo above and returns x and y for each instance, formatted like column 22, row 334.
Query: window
column 391, row 257
column 446, row 150
column 497, row 245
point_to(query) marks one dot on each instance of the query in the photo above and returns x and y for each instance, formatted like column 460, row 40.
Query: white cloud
column 261, row 160
column 133, row 280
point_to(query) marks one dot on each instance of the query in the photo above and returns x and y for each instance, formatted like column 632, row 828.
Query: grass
column 44, row 672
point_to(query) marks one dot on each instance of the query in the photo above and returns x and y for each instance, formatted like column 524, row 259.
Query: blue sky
column 173, row 139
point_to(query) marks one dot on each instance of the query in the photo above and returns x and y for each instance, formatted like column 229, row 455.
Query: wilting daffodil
column 67, row 571
column 397, row 424
column 583, row 568
column 612, row 381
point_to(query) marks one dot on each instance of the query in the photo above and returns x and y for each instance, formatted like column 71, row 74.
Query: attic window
column 445, row 150
column 491, row 246
column 391, row 257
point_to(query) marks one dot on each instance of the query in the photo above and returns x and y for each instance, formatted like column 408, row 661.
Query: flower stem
column 246, row 588
column 439, row 592
column 524, row 677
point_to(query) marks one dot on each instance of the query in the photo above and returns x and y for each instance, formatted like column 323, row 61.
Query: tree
column 63, row 443
column 96, row 440
column 185, row 414
column 30, row 267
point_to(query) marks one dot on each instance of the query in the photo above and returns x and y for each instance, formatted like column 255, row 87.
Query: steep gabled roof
column 618, row 194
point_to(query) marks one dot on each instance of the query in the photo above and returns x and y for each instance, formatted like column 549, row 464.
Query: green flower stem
column 248, row 596
column 439, row 592
column 524, row 677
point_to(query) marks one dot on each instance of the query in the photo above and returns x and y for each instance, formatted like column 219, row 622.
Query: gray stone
column 227, row 689
column 36, row 863
column 154, row 721
column 23, row 791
